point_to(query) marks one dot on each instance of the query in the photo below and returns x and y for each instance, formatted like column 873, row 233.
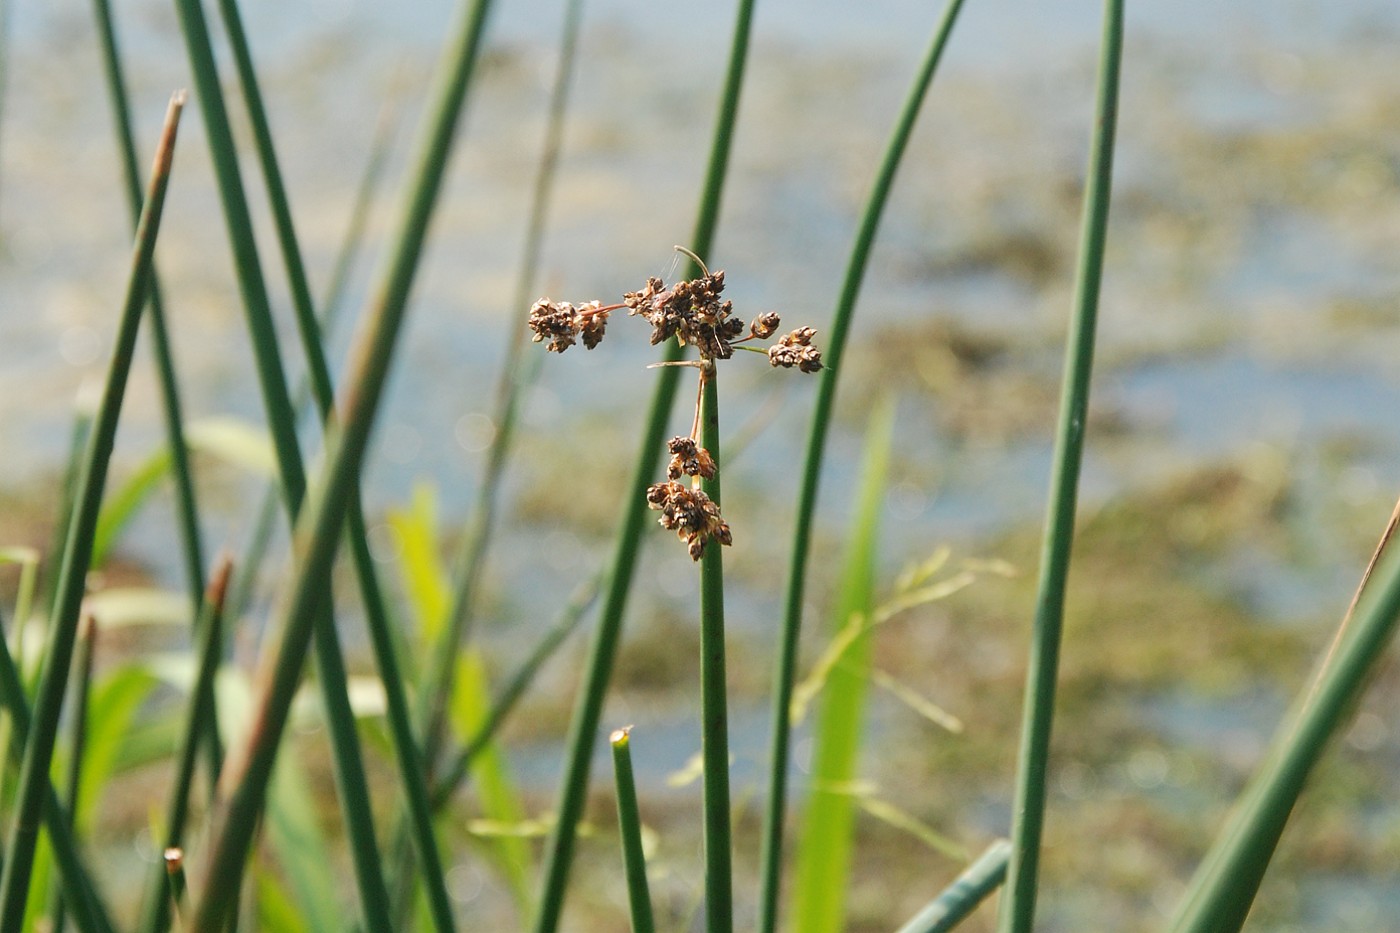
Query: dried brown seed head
column 555, row 322
column 765, row 325
column 689, row 459
column 795, row 349
column 691, row 514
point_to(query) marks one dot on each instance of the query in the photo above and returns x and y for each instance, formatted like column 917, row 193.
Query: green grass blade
column 629, row 824
column 200, row 711
column 87, row 647
column 77, row 443
column 515, row 688
column 583, row 730
column 186, row 507
column 1221, row 894
column 824, row 859
column 785, row 672
column 1017, row 911
column 301, row 848
column 412, row 777
column 82, row 898
column 714, row 722
column 319, row 528
column 961, row 898
column 38, row 752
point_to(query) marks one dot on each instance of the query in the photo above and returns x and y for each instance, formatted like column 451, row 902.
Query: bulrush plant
column 693, row 312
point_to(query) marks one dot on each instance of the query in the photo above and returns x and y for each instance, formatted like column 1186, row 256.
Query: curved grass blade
column 961, row 898
column 629, row 823
column 584, row 727
column 87, row 645
column 824, row 860
column 1017, row 909
column 38, row 752
column 785, row 673
column 1228, row 879
column 319, row 528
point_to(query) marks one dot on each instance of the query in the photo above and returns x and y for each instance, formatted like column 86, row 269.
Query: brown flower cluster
column 694, row 313
column 691, row 514
column 795, row 349
column 691, row 311
column 562, row 324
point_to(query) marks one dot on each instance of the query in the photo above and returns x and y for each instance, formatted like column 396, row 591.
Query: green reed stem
column 208, row 651
column 319, row 529
column 714, row 722
column 332, row 304
column 72, row 470
column 785, row 672
column 515, row 376
column 516, row 685
column 186, row 507
column 87, row 646
column 79, row 891
column 584, row 727
column 961, row 898
column 351, row 785
column 1017, row 913
column 629, row 824
column 409, row 760
column 31, row 796
column 1227, row 881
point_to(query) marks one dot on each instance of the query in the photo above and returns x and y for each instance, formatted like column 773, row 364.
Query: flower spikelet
column 795, row 349
column 691, row 514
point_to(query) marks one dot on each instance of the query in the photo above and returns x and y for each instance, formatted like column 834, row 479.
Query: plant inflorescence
column 693, row 312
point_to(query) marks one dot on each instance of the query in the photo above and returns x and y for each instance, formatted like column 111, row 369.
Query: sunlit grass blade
column 629, row 823
column 583, row 729
column 320, row 526
column 426, row 582
column 48, row 706
column 961, row 898
column 209, row 644
column 1017, row 908
column 411, row 773
column 785, row 669
column 186, row 506
column 828, row 826
column 1227, row 881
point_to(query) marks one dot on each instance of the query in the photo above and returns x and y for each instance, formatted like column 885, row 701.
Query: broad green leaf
column 824, row 855
column 115, row 700
column 425, row 579
column 296, row 838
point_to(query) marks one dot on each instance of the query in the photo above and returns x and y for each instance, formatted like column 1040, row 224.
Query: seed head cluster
column 693, row 312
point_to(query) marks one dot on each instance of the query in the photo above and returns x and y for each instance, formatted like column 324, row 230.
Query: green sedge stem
column 629, row 824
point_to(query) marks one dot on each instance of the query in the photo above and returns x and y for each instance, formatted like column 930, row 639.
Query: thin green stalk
column 208, row 651
column 584, row 727
column 87, row 645
column 319, row 529
column 629, row 824
column 515, row 376
column 961, row 898
column 186, row 507
column 82, row 899
column 331, row 306
column 1017, row 909
column 1227, row 881
column 38, row 752
column 376, row 615
column 714, row 722
column 351, row 784
column 785, row 672
column 456, row 773
column 72, row 470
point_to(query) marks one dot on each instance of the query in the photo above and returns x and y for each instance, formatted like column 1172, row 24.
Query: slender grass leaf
column 116, row 700
column 302, row 852
column 823, row 863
